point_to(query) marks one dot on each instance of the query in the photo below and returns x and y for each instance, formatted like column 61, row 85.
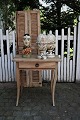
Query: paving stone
column 26, row 113
column 28, row 118
column 18, row 118
column 36, row 108
column 9, row 118
column 17, row 113
column 36, row 103
column 37, row 118
column 27, row 108
column 2, row 118
column 34, row 112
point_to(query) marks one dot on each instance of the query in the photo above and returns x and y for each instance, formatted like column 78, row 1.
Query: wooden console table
column 36, row 64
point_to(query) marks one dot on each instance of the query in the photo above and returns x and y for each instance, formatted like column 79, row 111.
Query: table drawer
column 33, row 65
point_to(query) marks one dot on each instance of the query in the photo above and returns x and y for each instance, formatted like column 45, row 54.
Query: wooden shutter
column 28, row 22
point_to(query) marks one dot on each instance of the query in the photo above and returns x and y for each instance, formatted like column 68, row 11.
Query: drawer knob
column 37, row 65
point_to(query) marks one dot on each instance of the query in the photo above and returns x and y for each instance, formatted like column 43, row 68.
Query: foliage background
column 51, row 16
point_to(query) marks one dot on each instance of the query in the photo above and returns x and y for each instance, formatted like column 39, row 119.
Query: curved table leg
column 18, row 83
column 54, row 83
column 52, row 79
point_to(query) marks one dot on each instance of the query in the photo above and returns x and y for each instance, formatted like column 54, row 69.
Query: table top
column 19, row 58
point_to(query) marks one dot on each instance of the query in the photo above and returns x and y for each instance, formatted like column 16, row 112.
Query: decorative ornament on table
column 42, row 45
column 26, row 52
column 46, row 45
column 51, row 44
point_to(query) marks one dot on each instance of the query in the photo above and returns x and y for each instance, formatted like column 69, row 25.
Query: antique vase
column 51, row 44
column 26, row 52
column 42, row 45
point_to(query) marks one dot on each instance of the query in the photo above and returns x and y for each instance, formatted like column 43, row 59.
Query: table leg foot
column 53, row 105
column 18, row 95
column 16, row 103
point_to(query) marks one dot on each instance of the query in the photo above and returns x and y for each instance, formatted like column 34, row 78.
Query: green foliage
column 71, row 53
column 7, row 9
column 53, row 18
column 24, row 4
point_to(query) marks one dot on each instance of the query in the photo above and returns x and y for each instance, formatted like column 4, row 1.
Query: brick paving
column 36, row 104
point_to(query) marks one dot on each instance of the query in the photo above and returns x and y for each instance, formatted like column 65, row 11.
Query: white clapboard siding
column 13, row 55
column 8, row 55
column 71, row 68
column 78, row 54
column 65, row 69
column 56, row 53
column 2, row 56
column 56, row 35
column 62, row 54
column 0, row 70
column 65, row 37
column 7, row 67
column 12, row 68
column 59, row 71
column 47, row 74
column 68, row 55
column 74, row 53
